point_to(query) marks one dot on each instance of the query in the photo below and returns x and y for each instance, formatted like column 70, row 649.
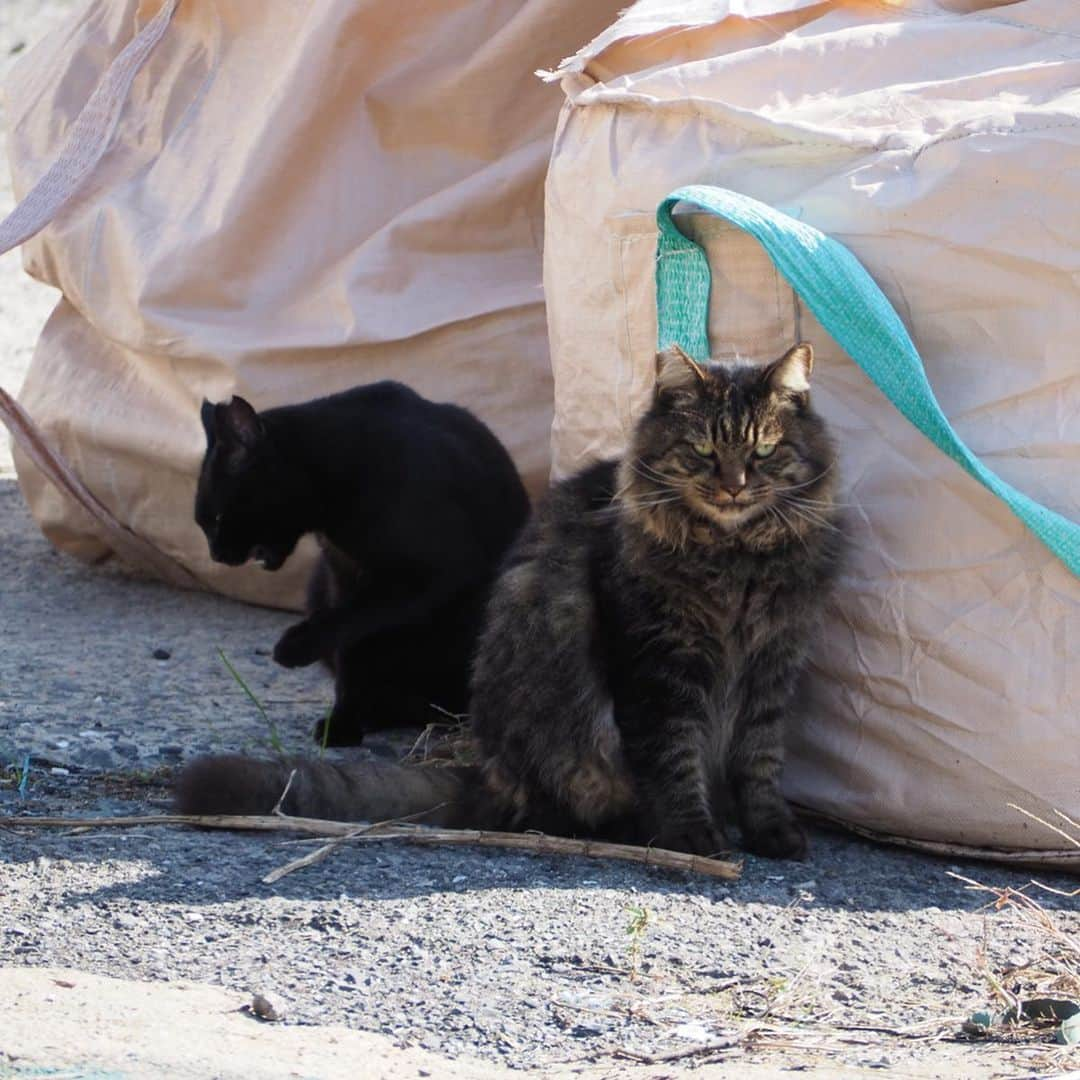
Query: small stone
column 124, row 921
column 171, row 751
column 97, row 757
column 161, row 654
column 268, row 1007
column 586, row 1030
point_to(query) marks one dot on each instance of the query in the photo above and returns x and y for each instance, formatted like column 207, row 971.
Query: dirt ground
column 136, row 952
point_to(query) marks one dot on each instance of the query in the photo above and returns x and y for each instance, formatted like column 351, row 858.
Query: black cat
column 413, row 503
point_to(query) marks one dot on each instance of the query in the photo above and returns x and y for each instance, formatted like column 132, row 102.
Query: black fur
column 414, row 504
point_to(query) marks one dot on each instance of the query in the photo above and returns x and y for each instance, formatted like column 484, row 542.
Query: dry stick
column 536, row 843
column 277, row 811
column 314, row 856
column 252, row 822
column 678, row 1055
column 1053, row 828
column 1055, row 892
column 321, row 853
column 541, row 843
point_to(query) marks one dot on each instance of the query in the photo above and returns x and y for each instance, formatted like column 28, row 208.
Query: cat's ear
column 237, row 424
column 791, row 373
column 677, row 372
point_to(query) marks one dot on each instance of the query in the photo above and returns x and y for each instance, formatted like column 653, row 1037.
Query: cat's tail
column 447, row 796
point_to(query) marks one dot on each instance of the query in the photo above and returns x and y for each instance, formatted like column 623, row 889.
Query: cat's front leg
column 756, row 758
column 308, row 641
column 663, row 723
column 769, row 826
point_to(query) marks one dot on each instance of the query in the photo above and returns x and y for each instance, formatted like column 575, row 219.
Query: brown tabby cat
column 642, row 644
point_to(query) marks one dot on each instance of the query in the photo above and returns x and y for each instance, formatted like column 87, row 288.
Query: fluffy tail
column 364, row 791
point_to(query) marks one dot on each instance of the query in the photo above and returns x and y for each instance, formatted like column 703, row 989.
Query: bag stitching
column 957, row 136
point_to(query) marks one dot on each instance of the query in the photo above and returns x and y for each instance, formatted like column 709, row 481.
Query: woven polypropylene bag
column 938, row 147
column 280, row 201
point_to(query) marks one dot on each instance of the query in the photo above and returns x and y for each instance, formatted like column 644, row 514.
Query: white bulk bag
column 942, row 146
column 297, row 198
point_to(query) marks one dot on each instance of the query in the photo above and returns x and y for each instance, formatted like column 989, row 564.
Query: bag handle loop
column 854, row 311
column 64, row 180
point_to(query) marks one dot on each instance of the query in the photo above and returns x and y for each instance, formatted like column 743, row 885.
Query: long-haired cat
column 642, row 644
column 414, row 504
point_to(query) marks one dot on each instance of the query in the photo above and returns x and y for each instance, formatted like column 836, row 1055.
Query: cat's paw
column 338, row 729
column 780, row 839
column 695, row 839
column 299, row 646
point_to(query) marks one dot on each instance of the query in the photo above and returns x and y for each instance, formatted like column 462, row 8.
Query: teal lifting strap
column 848, row 304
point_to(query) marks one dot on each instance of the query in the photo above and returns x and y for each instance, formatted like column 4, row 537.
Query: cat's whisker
column 648, row 472
column 660, row 501
column 638, row 504
column 816, row 521
column 790, row 526
column 829, row 504
column 812, row 520
column 820, row 507
column 623, row 490
column 806, row 483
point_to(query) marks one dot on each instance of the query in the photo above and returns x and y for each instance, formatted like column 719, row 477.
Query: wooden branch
column 535, row 843
column 329, row 848
column 704, row 1050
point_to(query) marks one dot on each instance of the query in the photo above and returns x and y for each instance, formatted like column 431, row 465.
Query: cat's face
column 245, row 503
column 733, row 444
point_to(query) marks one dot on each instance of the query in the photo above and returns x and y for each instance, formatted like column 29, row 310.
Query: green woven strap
column 848, row 304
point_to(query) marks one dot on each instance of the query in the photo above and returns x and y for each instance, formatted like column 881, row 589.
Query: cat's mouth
column 725, row 511
column 727, row 503
column 731, row 510
column 269, row 558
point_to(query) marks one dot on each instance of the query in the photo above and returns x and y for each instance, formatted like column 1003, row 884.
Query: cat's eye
column 764, row 449
column 704, row 449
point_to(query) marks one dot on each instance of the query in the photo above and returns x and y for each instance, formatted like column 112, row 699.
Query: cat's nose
column 732, row 481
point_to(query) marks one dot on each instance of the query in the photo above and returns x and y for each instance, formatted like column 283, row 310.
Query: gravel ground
column 509, row 958
column 863, row 958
